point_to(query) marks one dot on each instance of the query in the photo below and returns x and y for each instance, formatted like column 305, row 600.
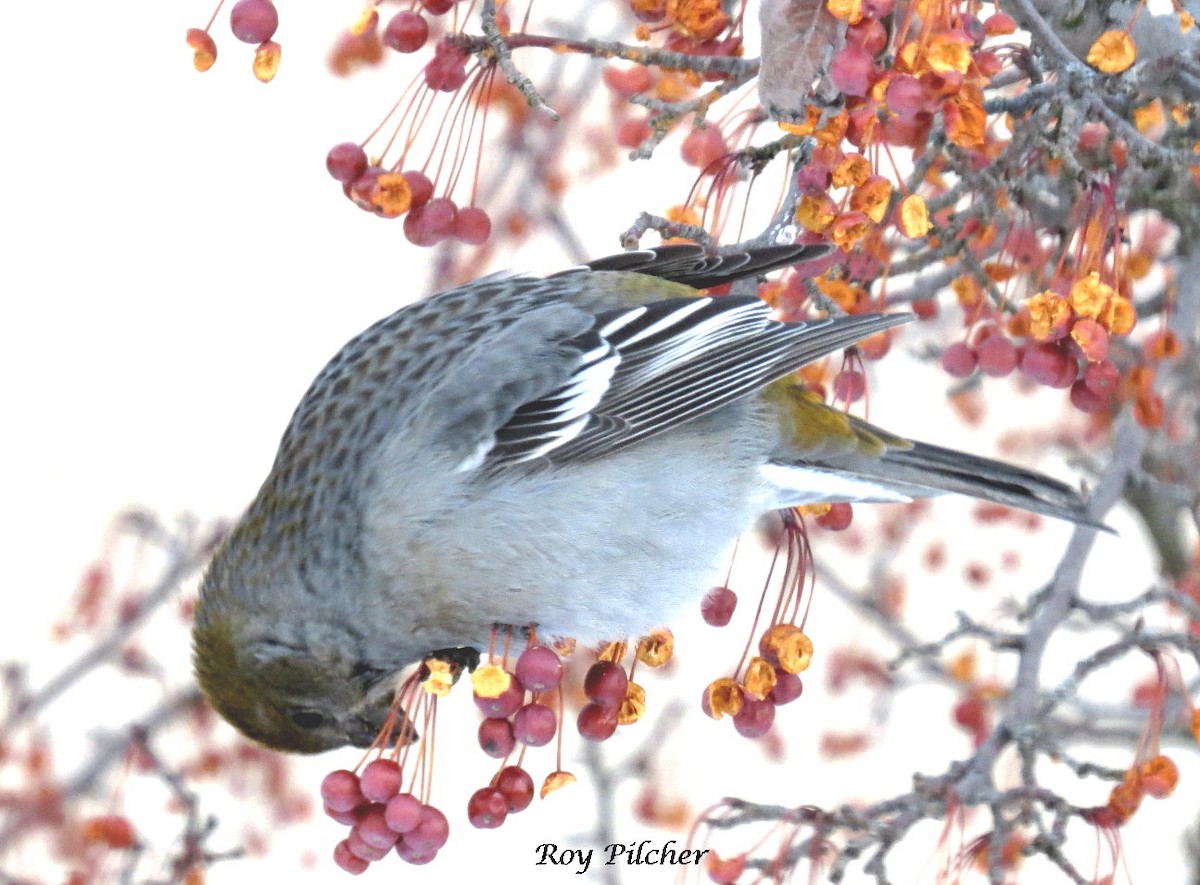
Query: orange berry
column 1158, row 776
column 112, row 830
column 1124, row 799
column 204, row 49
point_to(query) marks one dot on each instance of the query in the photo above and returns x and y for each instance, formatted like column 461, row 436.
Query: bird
column 576, row 452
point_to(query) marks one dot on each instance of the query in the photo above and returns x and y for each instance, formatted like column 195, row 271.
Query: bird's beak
column 372, row 715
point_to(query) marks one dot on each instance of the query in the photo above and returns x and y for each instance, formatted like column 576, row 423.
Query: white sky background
column 177, row 266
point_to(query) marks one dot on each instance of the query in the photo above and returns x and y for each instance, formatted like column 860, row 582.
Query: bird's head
column 278, row 689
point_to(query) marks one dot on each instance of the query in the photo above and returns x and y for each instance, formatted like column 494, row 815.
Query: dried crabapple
column 204, row 49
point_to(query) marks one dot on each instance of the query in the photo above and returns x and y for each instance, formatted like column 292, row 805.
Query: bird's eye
column 307, row 719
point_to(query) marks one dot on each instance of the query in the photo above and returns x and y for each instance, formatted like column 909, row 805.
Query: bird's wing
column 588, row 361
column 645, row 369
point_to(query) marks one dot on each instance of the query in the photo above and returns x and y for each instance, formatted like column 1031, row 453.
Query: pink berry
column 787, row 688
column 472, row 225
column 958, row 360
column 628, row 82
column 539, row 668
column 406, row 31
column 344, row 858
column 253, row 21
column 416, row 230
column 1102, row 377
column 703, row 147
column 814, row 178
column 380, row 780
column 420, row 185
column 341, row 790
column 849, row 386
column 718, row 606
column 905, row 96
column 373, row 828
column 346, row 162
column 597, row 722
column 503, row 705
column 438, row 7
column 605, row 683
column 487, row 808
column 534, row 725
column 359, row 191
column 1090, row 338
column 431, row 832
column 517, row 786
column 837, row 518
column 447, row 70
column 1048, row 364
column 997, row 355
column 869, row 34
column 755, row 717
column 402, row 813
column 632, row 132
column 925, row 308
column 852, row 70
column 496, row 737
column 439, row 216
column 411, row 854
column 1087, row 400
column 345, row 818
column 362, row 849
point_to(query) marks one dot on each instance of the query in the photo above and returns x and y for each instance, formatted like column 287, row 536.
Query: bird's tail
column 857, row 461
column 924, row 469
